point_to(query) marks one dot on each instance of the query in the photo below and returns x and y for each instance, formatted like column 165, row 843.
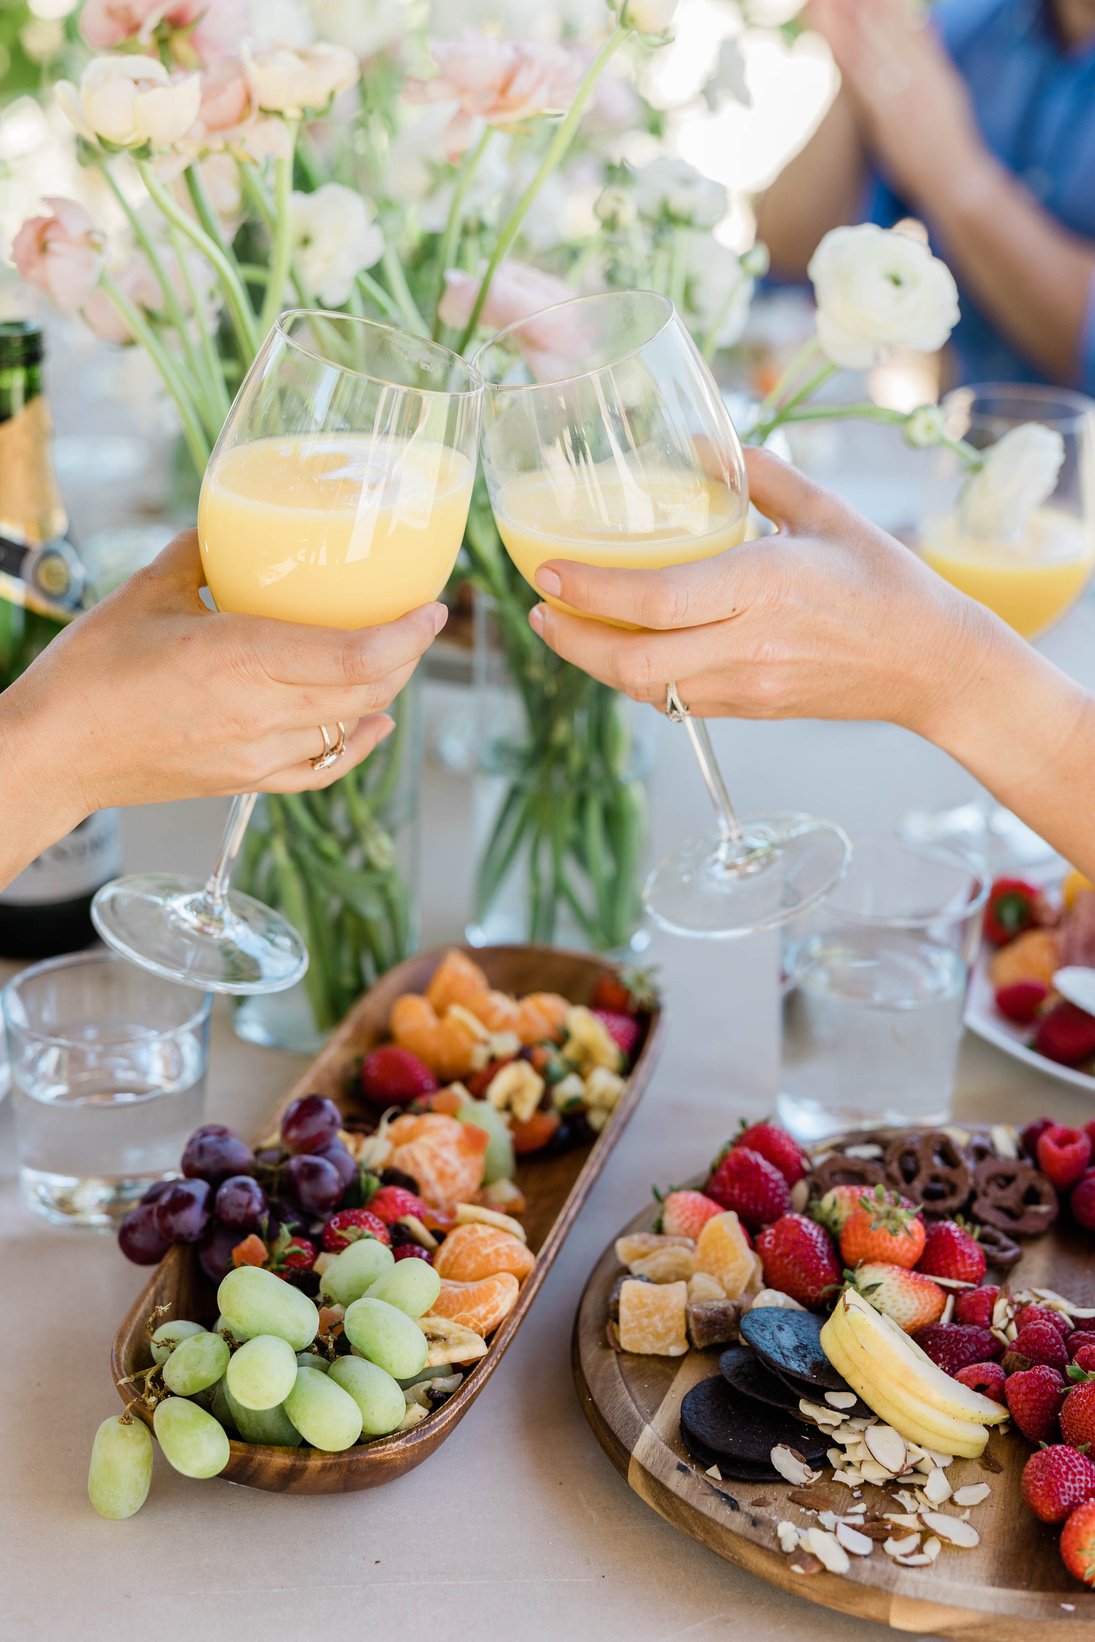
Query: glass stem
column 215, row 893
column 700, row 737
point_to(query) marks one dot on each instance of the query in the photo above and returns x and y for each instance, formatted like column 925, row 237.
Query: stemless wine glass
column 337, row 494
column 606, row 441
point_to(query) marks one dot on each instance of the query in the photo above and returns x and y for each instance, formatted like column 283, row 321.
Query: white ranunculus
column 728, row 83
column 335, row 236
column 877, row 289
column 648, row 16
column 1017, row 475
column 290, row 81
column 672, row 190
column 364, row 27
column 717, row 289
column 130, row 102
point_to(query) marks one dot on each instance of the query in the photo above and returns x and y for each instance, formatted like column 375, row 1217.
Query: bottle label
column 73, row 867
column 38, row 567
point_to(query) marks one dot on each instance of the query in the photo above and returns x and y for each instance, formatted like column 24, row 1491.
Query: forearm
column 1030, row 275
column 819, row 188
column 37, row 800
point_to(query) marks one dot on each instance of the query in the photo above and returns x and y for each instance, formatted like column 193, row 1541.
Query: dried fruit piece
column 653, row 1317
column 723, row 1251
column 635, row 1244
column 665, row 1266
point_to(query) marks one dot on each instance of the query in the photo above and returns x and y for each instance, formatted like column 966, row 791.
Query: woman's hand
column 152, row 696
column 830, row 618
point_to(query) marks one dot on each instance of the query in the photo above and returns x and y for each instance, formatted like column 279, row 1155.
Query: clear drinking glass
column 607, row 441
column 108, row 1080
column 336, row 494
column 877, row 978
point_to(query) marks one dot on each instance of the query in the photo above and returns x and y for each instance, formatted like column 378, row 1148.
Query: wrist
column 38, row 808
column 967, row 190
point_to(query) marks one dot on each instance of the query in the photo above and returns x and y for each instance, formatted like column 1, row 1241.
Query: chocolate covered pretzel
column 932, row 1170
column 1014, row 1197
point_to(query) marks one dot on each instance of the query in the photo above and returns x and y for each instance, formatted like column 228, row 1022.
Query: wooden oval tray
column 1011, row 1588
column 555, row 1187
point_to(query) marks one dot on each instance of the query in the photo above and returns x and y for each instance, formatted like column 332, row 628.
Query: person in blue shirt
column 978, row 118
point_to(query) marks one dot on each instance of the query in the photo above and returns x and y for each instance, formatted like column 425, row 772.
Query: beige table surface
column 518, row 1527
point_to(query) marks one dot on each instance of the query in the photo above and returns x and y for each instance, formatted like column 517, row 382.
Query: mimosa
column 340, row 530
column 622, row 517
column 1029, row 582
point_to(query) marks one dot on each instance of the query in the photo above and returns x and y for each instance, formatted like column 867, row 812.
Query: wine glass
column 606, row 441
column 337, row 494
column 1030, row 577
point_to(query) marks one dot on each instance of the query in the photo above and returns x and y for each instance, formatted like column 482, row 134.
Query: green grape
column 269, row 1426
column 412, row 1286
column 192, row 1440
column 312, row 1359
column 387, row 1336
column 379, row 1397
column 324, row 1414
column 198, row 1361
column 498, row 1159
column 261, row 1373
column 221, row 1327
column 355, row 1269
column 221, row 1409
column 254, row 1301
column 169, row 1335
column 120, row 1472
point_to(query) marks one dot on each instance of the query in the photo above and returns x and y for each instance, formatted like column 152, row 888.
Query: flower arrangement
column 451, row 185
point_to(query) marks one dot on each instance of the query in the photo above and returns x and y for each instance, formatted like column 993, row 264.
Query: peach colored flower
column 518, row 292
column 226, row 95
column 137, row 281
column 61, row 254
column 129, row 102
column 212, row 26
column 501, row 81
column 289, row 80
column 108, row 23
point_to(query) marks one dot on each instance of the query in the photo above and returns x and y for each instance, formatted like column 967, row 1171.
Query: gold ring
column 340, row 744
column 327, row 757
column 675, row 709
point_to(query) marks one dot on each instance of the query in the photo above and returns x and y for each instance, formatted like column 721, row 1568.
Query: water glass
column 876, row 987
column 107, row 1081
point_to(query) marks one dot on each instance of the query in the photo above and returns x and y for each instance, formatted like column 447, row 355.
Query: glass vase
column 342, row 866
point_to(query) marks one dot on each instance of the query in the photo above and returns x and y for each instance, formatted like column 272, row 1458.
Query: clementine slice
column 447, row 1045
column 457, row 979
column 653, row 1317
column 479, row 1306
column 541, row 1015
column 444, row 1156
column 476, row 1250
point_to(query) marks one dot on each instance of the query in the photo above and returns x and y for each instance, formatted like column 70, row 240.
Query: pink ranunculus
column 215, row 26
column 105, row 24
column 137, row 281
column 518, row 292
column 500, row 81
column 226, row 95
column 60, row 253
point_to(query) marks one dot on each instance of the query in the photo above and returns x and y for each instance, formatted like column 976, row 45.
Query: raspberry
column 1082, row 1201
column 1031, row 1133
column 1064, row 1154
column 746, row 1182
column 413, row 1251
column 987, row 1378
column 1056, row 1480
column 957, row 1345
column 977, row 1305
column 1044, row 1314
column 348, row 1225
column 1085, row 1359
column 1034, row 1395
column 1066, row 1034
column 1078, row 1338
column 1041, row 1343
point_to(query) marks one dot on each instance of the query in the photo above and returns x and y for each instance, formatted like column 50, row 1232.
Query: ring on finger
column 332, row 751
column 675, row 709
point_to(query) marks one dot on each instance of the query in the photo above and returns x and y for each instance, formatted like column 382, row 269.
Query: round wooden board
column 1012, row 1588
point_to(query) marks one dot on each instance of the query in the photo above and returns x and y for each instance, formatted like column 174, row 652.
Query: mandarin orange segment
column 457, row 979
column 497, row 1011
column 653, row 1317
column 722, row 1250
column 444, row 1156
column 1033, row 956
column 476, row 1250
column 447, row 1046
column 479, row 1306
column 541, row 1015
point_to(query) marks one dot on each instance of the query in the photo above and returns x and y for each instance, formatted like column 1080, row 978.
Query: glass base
column 983, row 827
column 164, row 924
column 284, row 1020
column 709, row 889
column 811, row 1122
column 97, row 1203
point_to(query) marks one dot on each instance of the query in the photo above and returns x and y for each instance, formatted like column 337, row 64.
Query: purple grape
column 182, row 1214
column 138, row 1238
column 314, row 1182
column 213, row 1153
column 310, row 1123
column 158, row 1188
column 240, row 1202
column 343, row 1162
column 215, row 1251
column 268, row 1157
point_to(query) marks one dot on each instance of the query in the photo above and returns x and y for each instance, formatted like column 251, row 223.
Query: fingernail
column 388, row 725
column 536, row 619
column 548, row 582
column 440, row 617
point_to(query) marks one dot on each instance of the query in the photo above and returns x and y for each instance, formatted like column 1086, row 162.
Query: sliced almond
column 792, row 1467
column 713, row 1471
column 905, row 1546
column 840, row 1399
column 903, row 1519
column 858, row 1509
column 853, row 1541
column 851, row 1478
column 476, row 1214
column 788, row 1536
column 888, row 1447
column 868, row 1149
column 918, row 1559
column 776, row 1297
column 952, row 1530
column 972, row 1494
column 937, row 1488
column 835, row 1456
column 931, row 1547
column 800, row 1195
column 819, row 1413
column 1005, row 1142
column 937, row 1455
column 828, row 1550
column 414, row 1415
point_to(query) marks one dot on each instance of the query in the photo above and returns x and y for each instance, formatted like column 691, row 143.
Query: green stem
column 764, row 430
column 772, row 399
column 282, row 248
column 193, row 431
column 710, row 341
column 203, row 205
column 373, row 288
column 676, row 277
column 251, row 183
column 214, row 371
column 235, row 295
column 401, row 291
column 560, row 142
column 450, row 239
column 968, row 454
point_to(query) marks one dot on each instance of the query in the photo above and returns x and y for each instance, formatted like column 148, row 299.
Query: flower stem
column 763, row 430
column 236, row 296
column 710, row 343
column 401, row 291
column 557, row 147
column 214, row 373
column 772, row 399
column 968, row 454
column 373, row 288
column 144, row 333
column 450, row 239
column 282, row 248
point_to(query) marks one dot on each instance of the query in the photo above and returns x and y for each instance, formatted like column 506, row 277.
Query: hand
column 830, row 618
column 152, row 696
column 912, row 104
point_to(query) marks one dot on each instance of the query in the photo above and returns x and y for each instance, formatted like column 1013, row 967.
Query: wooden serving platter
column 555, row 1187
column 1011, row 1588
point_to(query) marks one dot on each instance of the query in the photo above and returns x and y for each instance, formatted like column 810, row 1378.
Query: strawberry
column 910, row 1298
column 412, row 1251
column 291, row 1253
column 952, row 1250
column 798, row 1257
column 1079, row 1338
column 1012, row 907
column 1066, row 1034
column 1034, row 1395
column 987, row 1378
column 684, row 1213
column 835, row 1209
column 1089, row 1131
column 348, row 1225
column 1078, row 1409
column 1057, row 1479
column 624, row 1030
column 781, row 1149
column 1082, row 1201
column 1064, row 1153
column 625, row 991
column 957, row 1345
column 1078, row 1543
column 743, row 1180
column 1044, row 1314
column 977, row 1305
column 1021, row 1001
column 392, row 1203
column 879, row 1229
column 391, row 1076
column 1085, row 1359
column 1030, row 1134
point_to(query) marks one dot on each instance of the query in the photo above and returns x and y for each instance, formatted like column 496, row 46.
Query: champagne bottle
column 47, row 909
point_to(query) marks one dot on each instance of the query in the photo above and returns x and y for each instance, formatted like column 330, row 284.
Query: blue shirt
column 1034, row 102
